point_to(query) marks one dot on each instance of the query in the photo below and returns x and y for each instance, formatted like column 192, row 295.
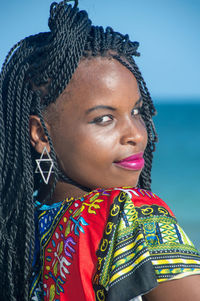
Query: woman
column 76, row 122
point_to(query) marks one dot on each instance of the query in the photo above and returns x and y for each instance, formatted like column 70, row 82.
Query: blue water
column 176, row 166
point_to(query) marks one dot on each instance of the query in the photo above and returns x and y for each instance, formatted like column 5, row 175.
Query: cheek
column 95, row 146
column 85, row 149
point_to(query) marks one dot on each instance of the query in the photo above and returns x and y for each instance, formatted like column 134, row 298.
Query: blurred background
column 169, row 36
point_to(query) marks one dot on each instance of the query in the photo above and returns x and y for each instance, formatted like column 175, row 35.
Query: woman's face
column 98, row 127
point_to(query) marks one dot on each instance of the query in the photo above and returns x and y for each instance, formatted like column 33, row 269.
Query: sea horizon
column 176, row 164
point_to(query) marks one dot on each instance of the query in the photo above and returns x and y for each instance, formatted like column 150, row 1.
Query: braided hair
column 34, row 74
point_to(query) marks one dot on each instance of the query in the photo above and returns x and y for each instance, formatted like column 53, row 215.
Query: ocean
column 176, row 165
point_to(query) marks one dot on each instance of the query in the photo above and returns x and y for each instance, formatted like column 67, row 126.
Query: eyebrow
column 100, row 107
column 108, row 107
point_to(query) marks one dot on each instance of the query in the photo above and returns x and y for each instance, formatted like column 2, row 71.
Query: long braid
column 35, row 72
column 33, row 63
column 15, row 213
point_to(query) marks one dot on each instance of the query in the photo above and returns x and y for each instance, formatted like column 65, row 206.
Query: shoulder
column 141, row 198
column 145, row 242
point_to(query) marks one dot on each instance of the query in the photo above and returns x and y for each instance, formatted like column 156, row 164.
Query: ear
column 38, row 138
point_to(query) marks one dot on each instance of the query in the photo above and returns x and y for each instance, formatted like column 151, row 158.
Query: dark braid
column 47, row 59
column 35, row 72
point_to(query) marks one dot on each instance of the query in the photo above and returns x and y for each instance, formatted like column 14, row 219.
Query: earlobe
column 38, row 138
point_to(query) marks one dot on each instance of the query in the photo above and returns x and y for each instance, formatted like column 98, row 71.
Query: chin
column 118, row 180
column 129, row 183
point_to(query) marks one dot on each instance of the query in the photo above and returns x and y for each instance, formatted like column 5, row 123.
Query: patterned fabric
column 114, row 244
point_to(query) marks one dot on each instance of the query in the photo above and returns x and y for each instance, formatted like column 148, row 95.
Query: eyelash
column 99, row 120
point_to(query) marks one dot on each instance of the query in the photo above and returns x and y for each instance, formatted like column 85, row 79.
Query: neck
column 62, row 191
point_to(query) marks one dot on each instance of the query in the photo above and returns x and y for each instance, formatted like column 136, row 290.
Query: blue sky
column 168, row 32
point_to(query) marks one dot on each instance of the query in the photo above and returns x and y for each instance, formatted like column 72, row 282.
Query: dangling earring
column 40, row 169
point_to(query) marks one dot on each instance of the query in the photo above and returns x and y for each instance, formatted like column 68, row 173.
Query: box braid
column 35, row 72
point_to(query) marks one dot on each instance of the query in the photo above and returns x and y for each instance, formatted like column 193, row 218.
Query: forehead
column 97, row 81
column 100, row 76
column 101, row 71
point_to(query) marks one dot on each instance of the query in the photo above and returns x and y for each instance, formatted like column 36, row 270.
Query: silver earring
column 45, row 173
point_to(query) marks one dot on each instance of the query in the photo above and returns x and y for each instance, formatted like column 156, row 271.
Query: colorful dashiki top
column 114, row 244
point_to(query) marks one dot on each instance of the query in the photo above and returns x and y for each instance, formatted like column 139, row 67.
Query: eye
column 136, row 111
column 103, row 120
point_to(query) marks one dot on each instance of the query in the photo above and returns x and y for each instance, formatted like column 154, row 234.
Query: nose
column 133, row 132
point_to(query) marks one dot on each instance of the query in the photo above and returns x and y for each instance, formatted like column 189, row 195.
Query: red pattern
column 70, row 260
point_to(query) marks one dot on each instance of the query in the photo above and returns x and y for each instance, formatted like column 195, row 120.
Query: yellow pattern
column 128, row 247
column 175, row 261
column 100, row 295
column 115, row 210
column 163, row 210
column 52, row 292
column 129, row 268
column 173, row 271
column 147, row 211
column 123, row 260
column 104, row 245
column 109, row 228
column 130, row 211
column 92, row 205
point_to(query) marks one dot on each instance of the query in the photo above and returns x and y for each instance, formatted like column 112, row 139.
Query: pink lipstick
column 134, row 162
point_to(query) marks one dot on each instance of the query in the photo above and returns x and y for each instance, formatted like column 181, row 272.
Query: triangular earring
column 45, row 172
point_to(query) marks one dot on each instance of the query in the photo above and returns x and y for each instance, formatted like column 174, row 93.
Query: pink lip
column 134, row 162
